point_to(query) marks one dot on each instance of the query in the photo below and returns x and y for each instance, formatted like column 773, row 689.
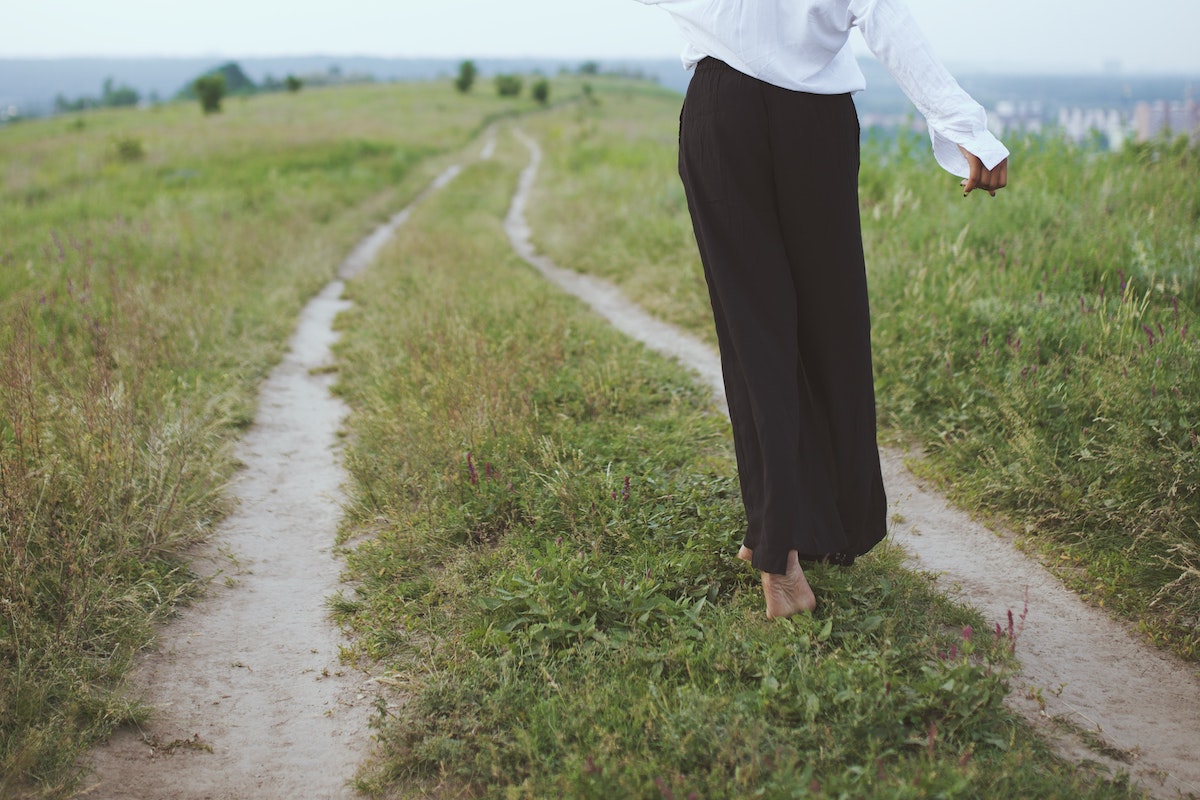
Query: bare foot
column 787, row 594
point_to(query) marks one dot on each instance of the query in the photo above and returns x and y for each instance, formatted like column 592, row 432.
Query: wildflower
column 966, row 633
column 472, row 475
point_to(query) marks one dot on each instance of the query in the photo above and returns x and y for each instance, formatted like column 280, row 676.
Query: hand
column 980, row 177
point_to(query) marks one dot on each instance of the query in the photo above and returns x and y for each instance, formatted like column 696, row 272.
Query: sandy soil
column 1078, row 664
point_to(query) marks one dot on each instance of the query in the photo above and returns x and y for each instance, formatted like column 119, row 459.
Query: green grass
column 543, row 512
column 152, row 263
column 542, row 540
column 1039, row 348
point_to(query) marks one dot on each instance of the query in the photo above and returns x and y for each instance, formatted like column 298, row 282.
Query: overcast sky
column 1003, row 35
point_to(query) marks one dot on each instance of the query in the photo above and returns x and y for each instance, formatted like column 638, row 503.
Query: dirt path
column 250, row 698
column 253, row 702
column 1089, row 670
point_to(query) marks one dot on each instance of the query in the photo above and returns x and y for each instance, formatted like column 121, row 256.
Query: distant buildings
column 1081, row 124
column 1111, row 127
column 1008, row 117
column 1179, row 117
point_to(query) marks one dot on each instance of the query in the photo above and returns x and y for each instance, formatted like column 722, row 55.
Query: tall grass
column 1039, row 347
column 543, row 535
column 151, row 265
column 1042, row 350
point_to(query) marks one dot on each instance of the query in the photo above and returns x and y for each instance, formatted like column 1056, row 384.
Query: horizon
column 1071, row 37
column 219, row 58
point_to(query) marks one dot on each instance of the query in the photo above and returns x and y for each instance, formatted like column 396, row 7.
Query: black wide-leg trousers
column 771, row 177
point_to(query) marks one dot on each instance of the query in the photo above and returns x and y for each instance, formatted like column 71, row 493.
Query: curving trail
column 1085, row 667
column 247, row 683
column 250, row 698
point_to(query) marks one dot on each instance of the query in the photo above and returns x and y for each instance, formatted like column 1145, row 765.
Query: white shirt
column 803, row 45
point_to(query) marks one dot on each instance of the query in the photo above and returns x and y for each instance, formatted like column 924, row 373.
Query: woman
column 768, row 154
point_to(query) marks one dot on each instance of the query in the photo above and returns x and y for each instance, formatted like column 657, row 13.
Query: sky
column 1072, row 36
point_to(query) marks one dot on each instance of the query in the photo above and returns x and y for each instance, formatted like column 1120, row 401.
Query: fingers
column 974, row 174
column 1001, row 173
column 996, row 178
column 980, row 177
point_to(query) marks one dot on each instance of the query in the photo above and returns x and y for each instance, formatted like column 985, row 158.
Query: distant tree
column 236, row 80
column 508, row 85
column 62, row 104
column 210, row 89
column 293, row 83
column 541, row 91
column 589, row 68
column 113, row 96
column 466, row 76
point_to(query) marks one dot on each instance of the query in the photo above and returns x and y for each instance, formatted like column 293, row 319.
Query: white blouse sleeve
column 954, row 118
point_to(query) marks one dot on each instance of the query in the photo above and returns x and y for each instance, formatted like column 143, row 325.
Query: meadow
column 543, row 512
column 152, row 263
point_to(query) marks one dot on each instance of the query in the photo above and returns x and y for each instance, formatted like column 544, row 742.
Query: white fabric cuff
column 987, row 147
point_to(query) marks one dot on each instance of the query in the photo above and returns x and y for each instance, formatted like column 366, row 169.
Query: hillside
column 541, row 513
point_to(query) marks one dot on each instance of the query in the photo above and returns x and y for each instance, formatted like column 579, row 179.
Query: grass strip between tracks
column 542, row 539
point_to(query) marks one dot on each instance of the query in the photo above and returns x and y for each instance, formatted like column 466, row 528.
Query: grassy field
column 152, row 263
column 542, row 542
column 1039, row 349
column 543, row 512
